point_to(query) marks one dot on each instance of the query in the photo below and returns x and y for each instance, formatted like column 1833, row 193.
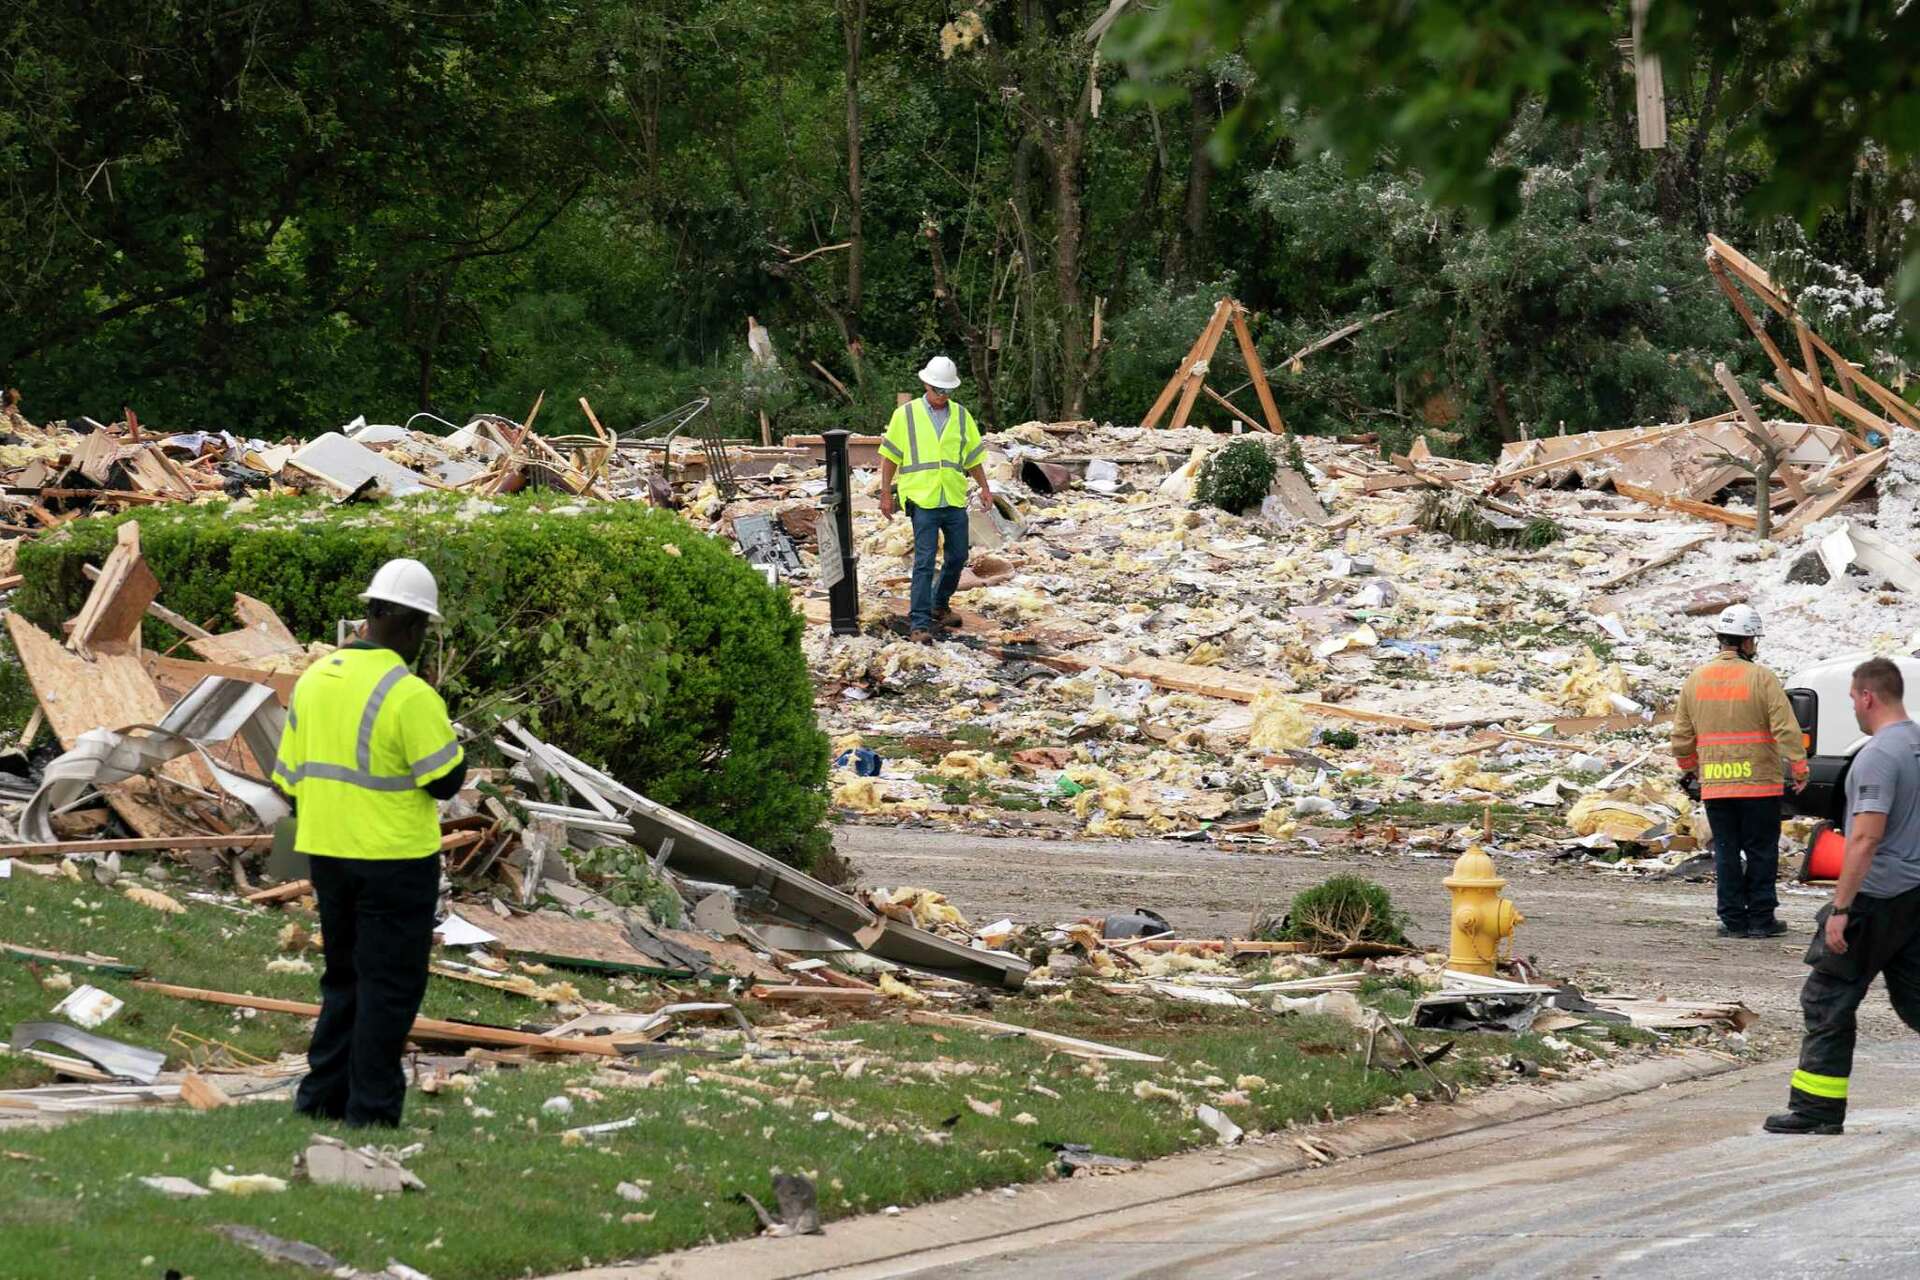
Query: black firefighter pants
column 1746, row 859
column 1883, row 937
column 376, row 921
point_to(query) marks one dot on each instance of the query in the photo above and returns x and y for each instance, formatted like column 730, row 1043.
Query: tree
column 1435, row 89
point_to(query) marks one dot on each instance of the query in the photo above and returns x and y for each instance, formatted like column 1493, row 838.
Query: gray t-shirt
column 938, row 416
column 1885, row 778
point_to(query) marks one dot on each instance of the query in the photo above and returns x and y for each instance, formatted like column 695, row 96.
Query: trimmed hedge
column 617, row 631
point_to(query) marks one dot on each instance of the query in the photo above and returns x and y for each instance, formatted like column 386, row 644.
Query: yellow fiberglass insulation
column 860, row 794
column 1278, row 724
column 1588, row 686
column 1466, row 772
column 1620, row 819
column 971, row 765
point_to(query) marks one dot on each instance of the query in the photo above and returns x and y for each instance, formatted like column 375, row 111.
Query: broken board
column 582, row 944
column 113, row 691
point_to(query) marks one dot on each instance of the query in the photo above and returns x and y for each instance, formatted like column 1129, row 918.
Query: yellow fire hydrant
column 1481, row 917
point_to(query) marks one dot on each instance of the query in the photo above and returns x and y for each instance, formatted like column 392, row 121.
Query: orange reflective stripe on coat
column 1734, row 728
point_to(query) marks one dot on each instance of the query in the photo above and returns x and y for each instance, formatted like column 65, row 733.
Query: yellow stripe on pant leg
column 1820, row 1086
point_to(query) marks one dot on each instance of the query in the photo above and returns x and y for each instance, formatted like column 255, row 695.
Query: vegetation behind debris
column 1237, row 477
column 1341, row 910
column 619, row 632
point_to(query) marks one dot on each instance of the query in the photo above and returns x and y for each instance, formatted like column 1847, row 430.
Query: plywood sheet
column 590, row 943
column 251, row 646
column 112, row 691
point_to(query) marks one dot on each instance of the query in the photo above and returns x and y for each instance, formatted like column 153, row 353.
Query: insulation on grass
column 971, row 765
column 153, row 899
column 862, row 795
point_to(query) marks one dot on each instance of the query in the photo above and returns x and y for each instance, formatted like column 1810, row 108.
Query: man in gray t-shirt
column 1873, row 925
column 1888, row 769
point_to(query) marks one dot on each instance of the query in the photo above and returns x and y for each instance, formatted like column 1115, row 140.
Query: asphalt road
column 1674, row 1183
column 1605, row 931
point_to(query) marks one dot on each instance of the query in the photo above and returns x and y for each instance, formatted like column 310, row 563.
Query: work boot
column 1794, row 1122
column 947, row 619
column 1767, row 928
column 921, row 636
column 1732, row 931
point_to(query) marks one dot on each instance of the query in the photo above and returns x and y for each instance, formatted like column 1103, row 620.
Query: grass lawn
column 878, row 1112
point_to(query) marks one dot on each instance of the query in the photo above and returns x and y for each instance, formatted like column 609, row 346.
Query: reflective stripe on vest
column 361, row 773
column 934, row 474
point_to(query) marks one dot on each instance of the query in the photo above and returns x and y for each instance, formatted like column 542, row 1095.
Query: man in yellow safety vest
column 932, row 444
column 367, row 753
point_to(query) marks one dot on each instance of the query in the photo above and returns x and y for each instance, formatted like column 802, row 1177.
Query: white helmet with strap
column 1738, row 620
column 406, row 582
column 940, row 373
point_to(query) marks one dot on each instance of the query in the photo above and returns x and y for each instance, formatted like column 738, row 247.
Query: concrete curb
column 875, row 1239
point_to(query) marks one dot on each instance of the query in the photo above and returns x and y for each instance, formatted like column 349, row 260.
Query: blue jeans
column 1746, row 859
column 930, row 524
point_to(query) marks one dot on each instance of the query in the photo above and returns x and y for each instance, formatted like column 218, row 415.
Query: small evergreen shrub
column 1338, row 911
column 1237, row 477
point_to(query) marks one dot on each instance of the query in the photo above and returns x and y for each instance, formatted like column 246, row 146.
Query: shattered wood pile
column 1835, row 444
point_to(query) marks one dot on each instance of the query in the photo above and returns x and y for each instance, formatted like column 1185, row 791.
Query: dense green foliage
column 272, row 217
column 1339, row 910
column 1237, row 477
column 620, row 633
column 1821, row 96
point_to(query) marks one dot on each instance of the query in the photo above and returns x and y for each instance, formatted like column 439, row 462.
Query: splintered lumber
column 262, row 636
column 141, row 845
column 110, row 618
column 1179, row 377
column 1686, row 506
column 281, row 892
column 423, row 1028
column 581, row 944
column 1504, row 478
column 824, row 995
column 1859, row 474
column 1065, row 1044
column 112, row 691
column 186, row 628
column 181, row 674
column 1275, row 423
column 1240, row 415
column 99, row 964
column 1212, row 682
column 1631, row 572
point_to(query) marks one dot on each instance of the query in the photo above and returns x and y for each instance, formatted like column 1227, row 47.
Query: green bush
column 1338, row 911
column 1237, row 477
column 617, row 631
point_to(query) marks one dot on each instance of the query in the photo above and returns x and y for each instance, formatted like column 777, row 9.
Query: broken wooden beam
column 423, row 1028
column 140, row 845
column 1048, row 1039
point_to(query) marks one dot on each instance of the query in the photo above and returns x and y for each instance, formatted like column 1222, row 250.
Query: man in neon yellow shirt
column 367, row 754
column 932, row 444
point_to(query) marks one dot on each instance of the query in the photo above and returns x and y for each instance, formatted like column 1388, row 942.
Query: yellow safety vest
column 363, row 736
column 931, row 467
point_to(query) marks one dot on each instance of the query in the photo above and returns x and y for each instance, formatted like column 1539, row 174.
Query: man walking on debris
column 1732, row 729
column 930, row 446
column 367, row 752
column 1873, row 923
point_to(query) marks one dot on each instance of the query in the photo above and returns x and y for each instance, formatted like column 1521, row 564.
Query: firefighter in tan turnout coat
column 1735, row 732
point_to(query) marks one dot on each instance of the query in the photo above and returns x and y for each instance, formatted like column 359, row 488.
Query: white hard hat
column 1738, row 620
column 406, row 582
column 940, row 373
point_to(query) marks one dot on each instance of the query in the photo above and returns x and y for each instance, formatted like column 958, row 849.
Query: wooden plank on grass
column 143, row 845
column 1066, row 1044
column 423, row 1028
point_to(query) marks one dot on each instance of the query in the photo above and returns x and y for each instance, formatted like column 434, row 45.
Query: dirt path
column 1600, row 931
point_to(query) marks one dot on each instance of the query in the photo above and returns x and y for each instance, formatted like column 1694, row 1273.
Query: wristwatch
column 1841, row 911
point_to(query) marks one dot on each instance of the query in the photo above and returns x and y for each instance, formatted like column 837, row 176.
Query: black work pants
column 376, row 922
column 1883, row 937
column 1746, row 859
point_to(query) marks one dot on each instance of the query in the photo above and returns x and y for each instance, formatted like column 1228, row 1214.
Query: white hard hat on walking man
column 406, row 582
column 941, row 373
